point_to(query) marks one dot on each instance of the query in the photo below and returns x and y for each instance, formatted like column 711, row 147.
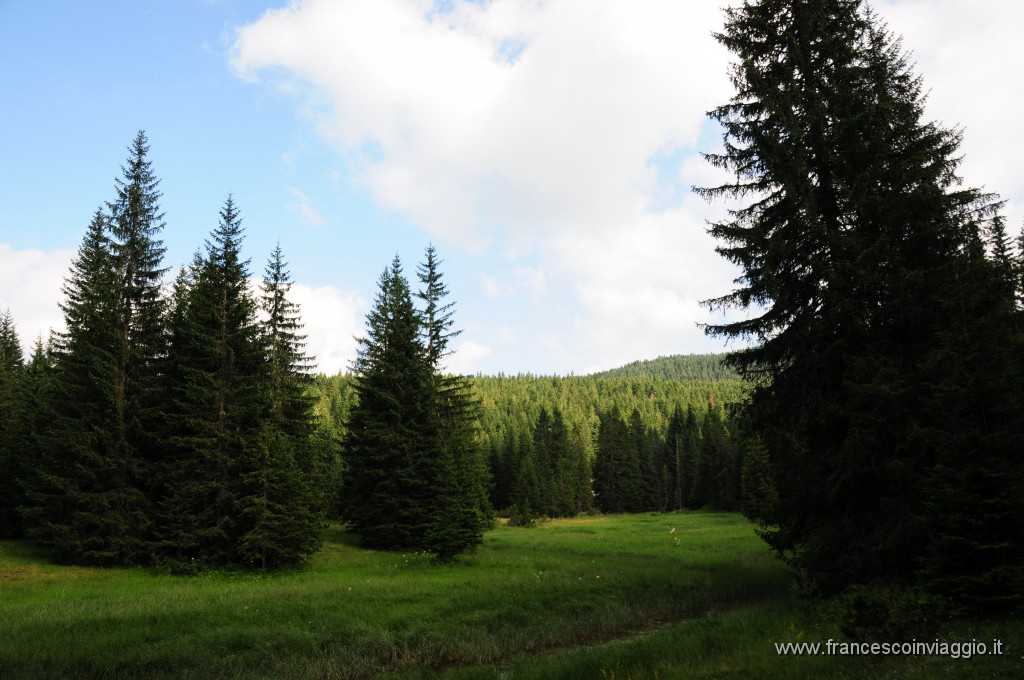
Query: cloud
column 970, row 55
column 567, row 131
column 30, row 286
column 447, row 130
column 531, row 280
column 333, row 319
column 310, row 216
column 465, row 357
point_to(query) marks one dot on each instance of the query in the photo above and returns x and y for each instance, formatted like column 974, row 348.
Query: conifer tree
column 527, row 494
column 11, row 453
column 83, row 499
column 391, row 433
column 674, row 457
column 139, row 345
column 283, row 498
column 217, row 465
column 135, row 221
column 617, row 466
column 857, row 248
column 758, row 495
column 557, row 467
column 462, row 511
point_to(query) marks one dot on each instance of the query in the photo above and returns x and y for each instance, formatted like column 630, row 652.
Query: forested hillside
column 542, row 438
column 678, row 367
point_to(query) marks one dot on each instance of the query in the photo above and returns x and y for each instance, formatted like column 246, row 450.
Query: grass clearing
column 594, row 597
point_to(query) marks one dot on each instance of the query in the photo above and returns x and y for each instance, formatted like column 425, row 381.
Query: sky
column 546, row 148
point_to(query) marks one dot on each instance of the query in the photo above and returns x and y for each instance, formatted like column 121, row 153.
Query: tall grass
column 515, row 607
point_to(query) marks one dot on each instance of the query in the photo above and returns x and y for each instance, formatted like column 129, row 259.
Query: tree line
column 179, row 429
column 170, row 429
column 559, row 446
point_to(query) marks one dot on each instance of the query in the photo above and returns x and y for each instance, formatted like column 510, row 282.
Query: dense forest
column 680, row 368
column 542, row 437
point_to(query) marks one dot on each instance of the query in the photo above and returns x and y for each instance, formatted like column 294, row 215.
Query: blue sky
column 545, row 148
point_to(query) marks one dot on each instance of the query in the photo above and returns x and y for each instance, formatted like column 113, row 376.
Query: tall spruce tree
column 139, row 345
column 856, row 250
column 218, row 407
column 392, row 433
column 90, row 498
column 83, row 498
column 285, row 496
column 461, row 510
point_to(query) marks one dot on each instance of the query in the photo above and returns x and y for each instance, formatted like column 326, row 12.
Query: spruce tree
column 11, row 444
column 526, row 494
column 856, row 248
column 674, row 456
column 617, row 465
column 757, row 487
column 217, row 468
column 391, row 440
column 83, row 499
column 461, row 510
column 557, row 465
column 285, row 495
column 139, row 345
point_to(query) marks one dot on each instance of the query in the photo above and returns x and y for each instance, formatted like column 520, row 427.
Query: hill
column 677, row 368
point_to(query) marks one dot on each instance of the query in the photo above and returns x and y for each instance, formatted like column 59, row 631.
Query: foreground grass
column 602, row 597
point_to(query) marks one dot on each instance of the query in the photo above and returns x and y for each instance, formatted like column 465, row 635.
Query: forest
column 554, row 444
column 870, row 429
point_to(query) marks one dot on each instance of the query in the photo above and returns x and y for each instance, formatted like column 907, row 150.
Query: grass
column 597, row 597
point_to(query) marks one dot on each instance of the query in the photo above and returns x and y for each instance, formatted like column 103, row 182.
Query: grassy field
column 616, row 598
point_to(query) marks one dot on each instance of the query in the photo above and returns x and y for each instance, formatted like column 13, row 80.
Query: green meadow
column 607, row 597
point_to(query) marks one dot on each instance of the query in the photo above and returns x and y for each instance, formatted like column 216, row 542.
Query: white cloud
column 530, row 280
column 465, row 357
column 467, row 143
column 971, row 55
column 30, row 286
column 310, row 216
column 493, row 288
column 333, row 319
column 538, row 124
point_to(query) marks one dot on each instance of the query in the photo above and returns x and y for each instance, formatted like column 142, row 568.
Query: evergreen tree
column 557, row 466
column 139, row 344
column 286, row 477
column 617, row 466
column 83, row 498
column 758, row 495
column 11, row 453
column 11, row 357
column 674, row 456
column 391, row 433
column 89, row 500
column 219, row 465
column 527, row 492
column 691, row 456
column 137, row 255
column 290, row 381
column 461, row 509
column 857, row 251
